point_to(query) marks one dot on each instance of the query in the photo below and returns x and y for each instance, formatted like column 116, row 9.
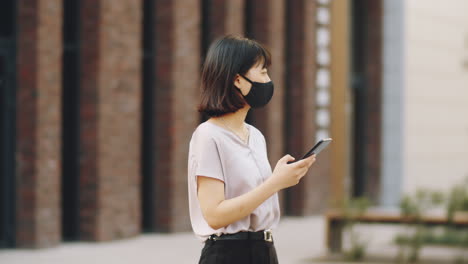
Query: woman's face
column 256, row 74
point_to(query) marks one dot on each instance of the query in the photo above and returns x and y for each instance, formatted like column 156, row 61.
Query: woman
column 232, row 190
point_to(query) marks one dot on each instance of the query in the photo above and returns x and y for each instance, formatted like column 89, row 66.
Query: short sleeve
column 264, row 143
column 207, row 158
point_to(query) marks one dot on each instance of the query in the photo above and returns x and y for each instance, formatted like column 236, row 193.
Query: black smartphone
column 321, row 145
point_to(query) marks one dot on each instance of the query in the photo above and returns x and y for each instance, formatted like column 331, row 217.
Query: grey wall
column 392, row 108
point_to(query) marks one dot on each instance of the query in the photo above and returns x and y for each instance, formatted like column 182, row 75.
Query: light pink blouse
column 218, row 153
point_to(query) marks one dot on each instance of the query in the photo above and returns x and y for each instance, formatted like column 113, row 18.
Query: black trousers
column 238, row 251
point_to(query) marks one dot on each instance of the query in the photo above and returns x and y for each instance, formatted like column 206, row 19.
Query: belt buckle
column 267, row 236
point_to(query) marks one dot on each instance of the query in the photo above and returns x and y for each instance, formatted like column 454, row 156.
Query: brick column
column 177, row 66
column 110, row 119
column 373, row 79
column 224, row 17
column 267, row 26
column 318, row 195
column 219, row 18
column 300, row 91
column 234, row 21
column 38, row 123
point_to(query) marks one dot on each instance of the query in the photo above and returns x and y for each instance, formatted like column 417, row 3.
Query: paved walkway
column 170, row 248
column 298, row 241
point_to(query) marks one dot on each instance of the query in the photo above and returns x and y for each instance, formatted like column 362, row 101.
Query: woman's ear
column 237, row 81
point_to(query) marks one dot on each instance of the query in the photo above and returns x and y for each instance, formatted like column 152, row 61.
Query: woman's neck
column 235, row 120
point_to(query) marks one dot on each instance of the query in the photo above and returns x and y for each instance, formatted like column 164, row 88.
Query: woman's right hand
column 286, row 175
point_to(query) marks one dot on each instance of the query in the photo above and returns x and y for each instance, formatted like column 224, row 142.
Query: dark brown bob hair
column 227, row 57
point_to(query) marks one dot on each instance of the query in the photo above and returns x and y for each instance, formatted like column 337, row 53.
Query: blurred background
column 98, row 103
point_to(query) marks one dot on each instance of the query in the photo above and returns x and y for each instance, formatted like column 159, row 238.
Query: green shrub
column 352, row 209
column 415, row 206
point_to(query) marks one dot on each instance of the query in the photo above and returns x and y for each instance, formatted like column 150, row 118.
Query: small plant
column 460, row 260
column 458, row 199
column 352, row 209
column 413, row 208
column 447, row 237
column 458, row 202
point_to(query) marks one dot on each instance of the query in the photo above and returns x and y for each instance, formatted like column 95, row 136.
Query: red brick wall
column 110, row 109
column 317, row 182
column 89, row 117
column 38, row 123
column 268, row 27
column 310, row 195
column 373, row 75
column 176, row 93
column 163, row 90
column 110, row 119
column 224, row 17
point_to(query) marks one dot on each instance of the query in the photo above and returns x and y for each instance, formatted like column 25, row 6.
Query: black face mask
column 260, row 93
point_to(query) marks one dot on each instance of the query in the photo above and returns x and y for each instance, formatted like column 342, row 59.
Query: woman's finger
column 311, row 160
column 288, row 158
column 301, row 163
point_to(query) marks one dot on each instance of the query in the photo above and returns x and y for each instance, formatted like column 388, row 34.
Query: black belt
column 265, row 235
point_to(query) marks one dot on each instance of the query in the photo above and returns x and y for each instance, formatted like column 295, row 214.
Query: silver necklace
column 243, row 137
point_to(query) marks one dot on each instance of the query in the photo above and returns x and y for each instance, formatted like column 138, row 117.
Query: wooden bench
column 335, row 222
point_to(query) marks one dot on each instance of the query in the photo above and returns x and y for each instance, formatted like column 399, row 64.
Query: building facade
column 402, row 80
column 98, row 103
column 424, row 138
